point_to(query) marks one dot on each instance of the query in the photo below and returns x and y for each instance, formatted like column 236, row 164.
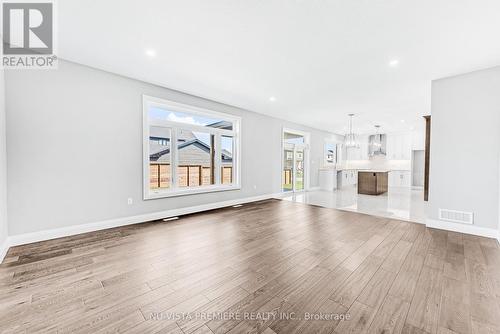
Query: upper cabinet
column 399, row 146
column 364, row 151
column 352, row 153
column 358, row 153
column 418, row 140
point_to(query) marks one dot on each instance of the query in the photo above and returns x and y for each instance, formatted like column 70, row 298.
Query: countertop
column 374, row 170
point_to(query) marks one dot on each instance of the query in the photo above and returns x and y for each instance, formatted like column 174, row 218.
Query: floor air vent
column 456, row 216
column 170, row 219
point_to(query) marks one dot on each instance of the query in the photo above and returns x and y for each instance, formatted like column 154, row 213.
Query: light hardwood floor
column 260, row 268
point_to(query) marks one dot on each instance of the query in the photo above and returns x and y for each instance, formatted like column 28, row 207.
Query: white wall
column 465, row 146
column 75, row 148
column 3, row 167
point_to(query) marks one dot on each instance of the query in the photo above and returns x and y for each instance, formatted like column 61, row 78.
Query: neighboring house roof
column 193, row 151
column 222, row 125
column 157, row 150
column 226, row 155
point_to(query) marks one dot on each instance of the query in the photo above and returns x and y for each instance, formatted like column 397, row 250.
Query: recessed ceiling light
column 394, row 63
column 151, row 53
column 272, row 99
column 402, row 121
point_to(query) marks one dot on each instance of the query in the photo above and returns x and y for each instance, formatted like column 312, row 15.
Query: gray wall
column 75, row 148
column 465, row 146
column 3, row 164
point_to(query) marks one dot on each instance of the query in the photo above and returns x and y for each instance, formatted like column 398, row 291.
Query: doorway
column 295, row 155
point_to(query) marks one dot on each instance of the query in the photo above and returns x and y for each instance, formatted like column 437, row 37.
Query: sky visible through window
column 292, row 138
column 166, row 115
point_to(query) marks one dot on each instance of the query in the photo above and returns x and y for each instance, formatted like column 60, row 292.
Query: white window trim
column 173, row 191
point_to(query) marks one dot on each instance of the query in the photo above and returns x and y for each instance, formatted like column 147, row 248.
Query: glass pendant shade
column 378, row 138
column 350, row 139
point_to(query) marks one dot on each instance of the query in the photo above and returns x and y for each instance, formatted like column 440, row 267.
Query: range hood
column 377, row 144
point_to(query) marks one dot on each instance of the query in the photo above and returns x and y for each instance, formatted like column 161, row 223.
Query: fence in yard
column 159, row 176
column 187, row 175
column 287, row 176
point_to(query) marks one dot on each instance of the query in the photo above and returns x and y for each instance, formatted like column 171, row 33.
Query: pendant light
column 377, row 143
column 350, row 139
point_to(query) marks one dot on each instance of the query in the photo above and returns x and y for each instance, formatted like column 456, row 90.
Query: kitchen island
column 372, row 182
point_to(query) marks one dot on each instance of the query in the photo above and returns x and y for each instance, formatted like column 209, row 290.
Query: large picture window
column 188, row 149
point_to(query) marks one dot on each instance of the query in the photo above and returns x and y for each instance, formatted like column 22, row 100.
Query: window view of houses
column 196, row 159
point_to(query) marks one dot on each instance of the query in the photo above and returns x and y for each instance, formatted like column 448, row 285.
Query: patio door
column 298, row 163
column 294, row 162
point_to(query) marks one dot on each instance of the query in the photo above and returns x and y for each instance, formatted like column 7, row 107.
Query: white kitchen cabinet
column 399, row 146
column 354, row 153
column 405, row 178
column 347, row 177
column 418, row 140
column 406, row 147
column 351, row 153
column 344, row 178
column 400, row 178
column 364, row 149
column 340, row 179
column 358, row 153
column 392, row 179
column 354, row 176
column 390, row 147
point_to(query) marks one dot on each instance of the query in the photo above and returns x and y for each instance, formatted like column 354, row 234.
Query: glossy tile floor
column 398, row 203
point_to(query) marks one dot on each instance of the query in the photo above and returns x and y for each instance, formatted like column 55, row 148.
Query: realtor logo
column 28, row 35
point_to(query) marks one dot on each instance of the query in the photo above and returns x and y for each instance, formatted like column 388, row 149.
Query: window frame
column 307, row 162
column 325, row 160
column 174, row 190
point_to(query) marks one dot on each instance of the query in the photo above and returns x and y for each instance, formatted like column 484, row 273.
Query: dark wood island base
column 372, row 182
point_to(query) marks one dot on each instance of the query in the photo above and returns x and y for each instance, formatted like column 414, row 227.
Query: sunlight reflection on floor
column 399, row 203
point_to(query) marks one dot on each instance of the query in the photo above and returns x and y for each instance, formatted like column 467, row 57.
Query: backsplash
column 376, row 162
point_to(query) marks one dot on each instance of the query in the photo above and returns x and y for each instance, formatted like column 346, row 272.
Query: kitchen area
column 390, row 152
column 381, row 174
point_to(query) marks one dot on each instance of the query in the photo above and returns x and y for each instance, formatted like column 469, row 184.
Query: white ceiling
column 320, row 59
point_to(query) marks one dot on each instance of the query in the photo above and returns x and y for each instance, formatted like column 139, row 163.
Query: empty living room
column 274, row 167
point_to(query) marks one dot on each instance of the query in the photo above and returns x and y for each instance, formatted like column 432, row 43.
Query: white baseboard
column 463, row 228
column 4, row 248
column 26, row 238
